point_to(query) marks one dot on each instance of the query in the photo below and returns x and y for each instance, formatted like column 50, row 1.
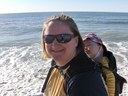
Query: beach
column 23, row 70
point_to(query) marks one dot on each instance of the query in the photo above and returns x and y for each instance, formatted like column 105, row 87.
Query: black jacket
column 119, row 80
column 112, row 60
column 82, row 79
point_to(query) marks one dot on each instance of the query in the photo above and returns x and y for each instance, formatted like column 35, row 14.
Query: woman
column 61, row 42
column 97, row 51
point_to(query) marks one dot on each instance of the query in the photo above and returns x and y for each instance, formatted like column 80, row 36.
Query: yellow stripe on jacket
column 55, row 84
column 109, row 77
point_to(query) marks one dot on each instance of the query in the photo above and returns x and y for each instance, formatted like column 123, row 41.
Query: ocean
column 22, row 68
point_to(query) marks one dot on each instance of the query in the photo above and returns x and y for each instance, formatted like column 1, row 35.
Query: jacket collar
column 80, row 62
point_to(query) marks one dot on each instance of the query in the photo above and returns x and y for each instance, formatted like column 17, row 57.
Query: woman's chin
column 57, row 58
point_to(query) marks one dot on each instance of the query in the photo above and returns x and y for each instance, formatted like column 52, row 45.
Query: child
column 97, row 51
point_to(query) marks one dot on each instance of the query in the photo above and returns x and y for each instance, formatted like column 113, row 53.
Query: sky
column 21, row 6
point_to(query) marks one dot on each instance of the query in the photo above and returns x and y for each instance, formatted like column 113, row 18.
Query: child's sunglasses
column 61, row 38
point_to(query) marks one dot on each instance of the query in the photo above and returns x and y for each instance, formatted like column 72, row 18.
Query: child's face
column 91, row 48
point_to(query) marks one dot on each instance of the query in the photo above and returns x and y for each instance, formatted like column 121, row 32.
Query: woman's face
column 62, row 53
column 91, row 48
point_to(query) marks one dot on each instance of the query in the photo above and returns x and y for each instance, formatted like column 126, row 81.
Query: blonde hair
column 72, row 25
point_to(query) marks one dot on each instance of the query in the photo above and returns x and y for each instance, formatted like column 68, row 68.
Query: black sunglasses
column 61, row 38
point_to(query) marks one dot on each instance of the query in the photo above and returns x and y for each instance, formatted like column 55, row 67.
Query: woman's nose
column 55, row 43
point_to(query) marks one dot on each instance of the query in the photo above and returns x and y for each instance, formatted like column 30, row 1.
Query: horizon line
column 62, row 12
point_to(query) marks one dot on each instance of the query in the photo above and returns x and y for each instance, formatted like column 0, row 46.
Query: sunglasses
column 61, row 38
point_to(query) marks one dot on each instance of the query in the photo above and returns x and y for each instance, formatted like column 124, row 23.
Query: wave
column 94, row 21
column 114, row 22
column 23, row 69
column 120, row 49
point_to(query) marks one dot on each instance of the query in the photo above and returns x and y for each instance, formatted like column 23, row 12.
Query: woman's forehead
column 57, row 26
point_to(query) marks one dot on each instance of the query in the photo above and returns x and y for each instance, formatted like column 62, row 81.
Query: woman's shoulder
column 86, row 83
